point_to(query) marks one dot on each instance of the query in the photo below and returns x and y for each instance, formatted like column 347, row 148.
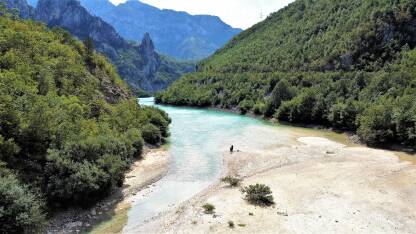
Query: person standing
column 232, row 149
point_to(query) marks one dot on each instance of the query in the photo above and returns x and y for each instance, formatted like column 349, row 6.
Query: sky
column 237, row 13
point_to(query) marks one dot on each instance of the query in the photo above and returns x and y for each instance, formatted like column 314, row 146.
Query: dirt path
column 319, row 186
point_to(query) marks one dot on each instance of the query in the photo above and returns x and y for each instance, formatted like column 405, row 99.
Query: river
column 198, row 140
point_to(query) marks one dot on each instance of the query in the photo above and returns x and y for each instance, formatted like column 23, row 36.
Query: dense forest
column 69, row 128
column 348, row 64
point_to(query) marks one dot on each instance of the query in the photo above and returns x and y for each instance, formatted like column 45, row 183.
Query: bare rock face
column 70, row 15
column 152, row 59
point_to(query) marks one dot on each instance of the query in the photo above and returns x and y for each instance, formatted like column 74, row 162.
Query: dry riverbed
column 110, row 215
column 319, row 186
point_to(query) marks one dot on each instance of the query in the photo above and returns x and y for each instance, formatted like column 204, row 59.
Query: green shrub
column 208, row 208
column 376, row 123
column 258, row 194
column 259, row 108
column 151, row 134
column 230, row 224
column 20, row 209
column 245, row 106
column 233, row 182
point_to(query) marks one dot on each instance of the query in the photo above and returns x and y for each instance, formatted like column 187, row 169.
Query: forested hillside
column 69, row 128
column 348, row 64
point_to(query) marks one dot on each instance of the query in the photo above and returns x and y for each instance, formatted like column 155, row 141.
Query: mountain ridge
column 176, row 33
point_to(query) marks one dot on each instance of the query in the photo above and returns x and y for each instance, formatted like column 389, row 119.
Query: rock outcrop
column 70, row 15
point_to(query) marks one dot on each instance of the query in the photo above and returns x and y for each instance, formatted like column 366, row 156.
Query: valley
column 304, row 122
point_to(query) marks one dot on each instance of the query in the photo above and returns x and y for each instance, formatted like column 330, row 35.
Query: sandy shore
column 143, row 173
column 319, row 186
column 110, row 215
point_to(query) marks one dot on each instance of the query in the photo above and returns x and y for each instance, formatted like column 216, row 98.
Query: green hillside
column 348, row 64
column 321, row 35
column 69, row 127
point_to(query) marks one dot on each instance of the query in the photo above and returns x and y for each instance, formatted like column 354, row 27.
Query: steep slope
column 345, row 64
column 320, row 35
column 69, row 127
column 176, row 34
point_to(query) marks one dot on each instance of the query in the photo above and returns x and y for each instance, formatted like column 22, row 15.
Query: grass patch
column 115, row 224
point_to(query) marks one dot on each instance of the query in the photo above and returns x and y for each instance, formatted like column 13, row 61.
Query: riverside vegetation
column 69, row 127
column 348, row 64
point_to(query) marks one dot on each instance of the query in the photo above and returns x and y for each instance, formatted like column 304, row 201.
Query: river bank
column 110, row 215
column 319, row 185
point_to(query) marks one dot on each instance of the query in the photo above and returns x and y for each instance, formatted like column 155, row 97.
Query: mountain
column 176, row 34
column 347, row 64
column 69, row 127
column 142, row 71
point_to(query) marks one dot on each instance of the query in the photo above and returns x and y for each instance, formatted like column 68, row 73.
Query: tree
column 89, row 49
column 376, row 123
column 281, row 92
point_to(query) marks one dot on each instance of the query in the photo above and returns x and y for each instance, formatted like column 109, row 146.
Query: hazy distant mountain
column 177, row 34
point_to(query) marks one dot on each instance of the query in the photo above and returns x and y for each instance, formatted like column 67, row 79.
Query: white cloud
column 238, row 13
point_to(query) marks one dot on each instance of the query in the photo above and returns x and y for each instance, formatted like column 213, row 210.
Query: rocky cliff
column 70, row 15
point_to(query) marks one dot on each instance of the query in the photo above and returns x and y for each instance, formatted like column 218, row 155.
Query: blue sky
column 237, row 13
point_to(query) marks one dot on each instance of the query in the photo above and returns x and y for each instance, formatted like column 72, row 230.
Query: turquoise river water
column 198, row 139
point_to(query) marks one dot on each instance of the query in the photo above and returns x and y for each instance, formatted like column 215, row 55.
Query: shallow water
column 198, row 139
